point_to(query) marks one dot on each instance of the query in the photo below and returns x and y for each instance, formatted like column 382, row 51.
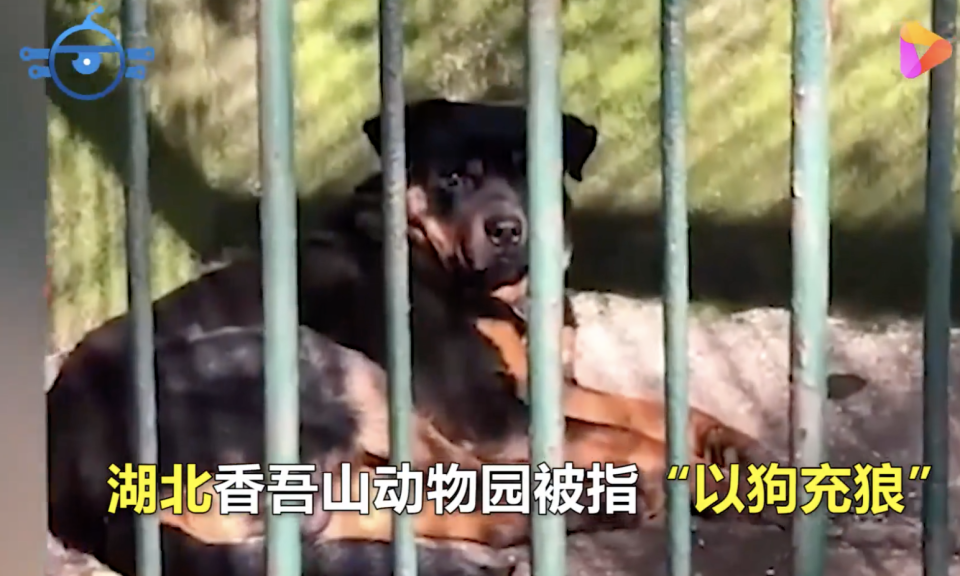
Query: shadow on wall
column 739, row 372
column 874, row 269
column 208, row 218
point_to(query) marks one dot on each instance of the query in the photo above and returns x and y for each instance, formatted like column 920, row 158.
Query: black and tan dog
column 641, row 421
column 600, row 426
column 211, row 407
column 468, row 230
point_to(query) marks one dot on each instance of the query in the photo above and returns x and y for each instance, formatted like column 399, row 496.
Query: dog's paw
column 717, row 449
column 507, row 530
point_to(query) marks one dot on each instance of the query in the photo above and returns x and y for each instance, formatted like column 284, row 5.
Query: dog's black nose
column 504, row 230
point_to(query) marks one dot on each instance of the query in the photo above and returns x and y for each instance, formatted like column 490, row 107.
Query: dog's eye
column 452, row 183
column 519, row 159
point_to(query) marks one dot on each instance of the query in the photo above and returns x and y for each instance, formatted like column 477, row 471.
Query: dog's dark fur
column 211, row 388
column 210, row 364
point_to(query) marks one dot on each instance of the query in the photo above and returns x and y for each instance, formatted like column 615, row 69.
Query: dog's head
column 467, row 193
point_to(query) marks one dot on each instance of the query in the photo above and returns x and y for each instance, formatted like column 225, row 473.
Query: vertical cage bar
column 396, row 265
column 676, row 289
column 810, row 192
column 278, row 228
column 138, row 216
column 937, row 540
column 545, row 168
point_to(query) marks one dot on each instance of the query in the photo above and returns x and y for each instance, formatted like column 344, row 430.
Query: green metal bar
column 937, row 540
column 810, row 191
column 676, row 279
column 138, row 215
column 396, row 266
column 278, row 228
column 545, row 169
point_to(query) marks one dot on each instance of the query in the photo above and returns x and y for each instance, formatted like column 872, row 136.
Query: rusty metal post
column 937, row 538
column 810, row 191
column 278, row 217
column 396, row 266
column 138, row 234
column 676, row 277
column 545, row 169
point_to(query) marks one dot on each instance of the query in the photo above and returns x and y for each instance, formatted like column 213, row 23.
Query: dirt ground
column 738, row 372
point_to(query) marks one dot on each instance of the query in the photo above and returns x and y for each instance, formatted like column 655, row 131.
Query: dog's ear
column 372, row 130
column 438, row 124
column 579, row 142
column 428, row 125
column 366, row 207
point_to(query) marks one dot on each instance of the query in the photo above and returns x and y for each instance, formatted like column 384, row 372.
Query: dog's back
column 210, row 400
